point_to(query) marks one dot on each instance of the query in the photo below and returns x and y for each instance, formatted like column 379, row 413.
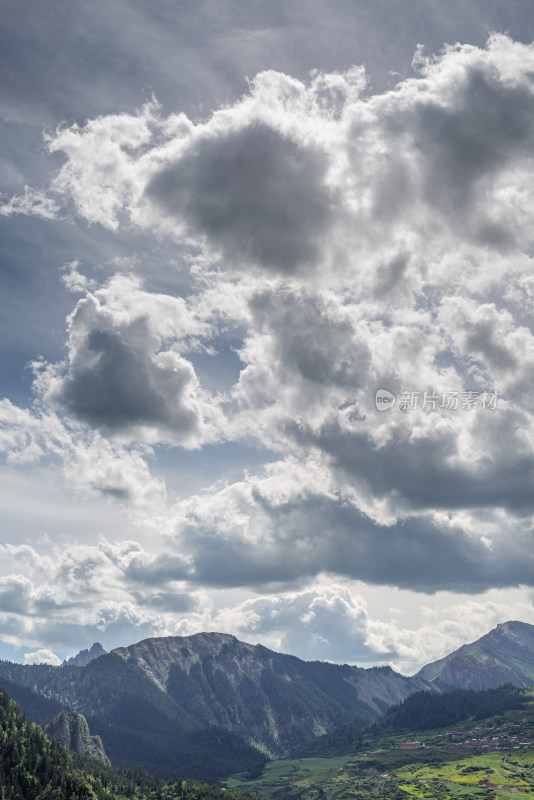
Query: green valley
column 209, row 707
column 396, row 776
column 490, row 758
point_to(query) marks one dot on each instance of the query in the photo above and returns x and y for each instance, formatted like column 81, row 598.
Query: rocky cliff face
column 71, row 729
column 504, row 655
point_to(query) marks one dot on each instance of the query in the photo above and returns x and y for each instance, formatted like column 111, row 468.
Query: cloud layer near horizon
column 343, row 242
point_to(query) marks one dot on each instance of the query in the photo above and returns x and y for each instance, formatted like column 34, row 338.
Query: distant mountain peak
column 514, row 627
column 504, row 655
column 85, row 657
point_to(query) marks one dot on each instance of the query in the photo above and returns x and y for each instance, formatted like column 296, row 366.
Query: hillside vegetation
column 422, row 711
column 71, row 729
column 33, row 766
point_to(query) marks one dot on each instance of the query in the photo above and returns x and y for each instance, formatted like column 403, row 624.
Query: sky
column 267, row 331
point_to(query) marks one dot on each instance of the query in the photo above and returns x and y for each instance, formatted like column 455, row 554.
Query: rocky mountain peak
column 504, row 655
column 85, row 657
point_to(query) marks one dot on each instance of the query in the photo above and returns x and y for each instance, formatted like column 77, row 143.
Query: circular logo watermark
column 384, row 399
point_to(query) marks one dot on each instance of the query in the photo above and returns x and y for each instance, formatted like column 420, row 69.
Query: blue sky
column 224, row 228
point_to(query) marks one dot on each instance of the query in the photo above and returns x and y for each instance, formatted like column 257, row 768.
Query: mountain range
column 208, row 705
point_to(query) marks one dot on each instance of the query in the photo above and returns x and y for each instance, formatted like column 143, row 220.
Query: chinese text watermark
column 435, row 401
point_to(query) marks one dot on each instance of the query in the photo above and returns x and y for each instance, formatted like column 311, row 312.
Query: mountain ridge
column 503, row 655
column 208, row 704
column 375, row 688
column 160, row 702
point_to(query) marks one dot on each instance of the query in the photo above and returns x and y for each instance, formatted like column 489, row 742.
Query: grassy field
column 298, row 772
column 462, row 777
column 380, row 775
column 453, row 764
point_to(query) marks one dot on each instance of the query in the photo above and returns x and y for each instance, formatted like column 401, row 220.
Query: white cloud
column 331, row 175
column 440, row 627
column 121, row 378
column 325, row 623
column 119, row 592
column 33, row 203
column 296, row 522
column 88, row 462
column 74, row 280
column 42, row 656
column 98, row 173
column 72, row 592
column 336, row 242
column 253, row 195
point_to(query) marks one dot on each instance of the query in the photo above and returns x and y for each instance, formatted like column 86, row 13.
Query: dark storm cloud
column 156, row 571
column 170, row 602
column 482, row 332
column 15, row 595
column 258, row 196
column 319, row 534
column 481, row 339
column 123, row 387
column 310, row 339
column 487, row 126
column 117, row 381
column 302, row 353
column 390, row 276
column 19, row 596
column 427, row 472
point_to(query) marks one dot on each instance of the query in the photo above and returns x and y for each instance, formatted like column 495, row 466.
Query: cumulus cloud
column 42, row 656
column 325, row 623
column 438, row 630
column 15, row 594
column 97, row 175
column 436, row 464
column 120, row 379
column 256, row 196
column 294, row 523
column 303, row 354
column 76, row 592
column 346, row 622
column 33, row 203
column 88, row 462
column 296, row 176
column 333, row 622
column 337, row 242
column 468, row 142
